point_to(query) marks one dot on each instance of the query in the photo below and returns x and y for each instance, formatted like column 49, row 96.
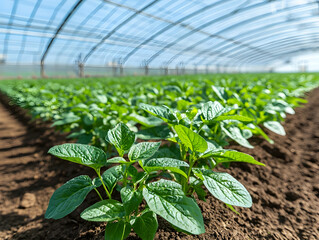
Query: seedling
column 167, row 185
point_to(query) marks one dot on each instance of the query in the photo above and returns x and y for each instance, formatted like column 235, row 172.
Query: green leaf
column 234, row 156
column 191, row 139
column 131, row 199
column 146, row 225
column 79, row 153
column 235, row 134
column 146, row 121
column 68, row 197
column 211, row 147
column 104, row 211
column 232, row 208
column 212, row 110
column 200, row 192
column 111, row 176
column 226, row 188
column 96, row 182
column 117, row 160
column 191, row 113
column 157, row 164
column 276, row 127
column 143, row 150
column 159, row 111
column 121, row 137
column 220, row 92
column 258, row 130
column 234, row 117
column 68, row 118
column 167, row 199
column 117, row 230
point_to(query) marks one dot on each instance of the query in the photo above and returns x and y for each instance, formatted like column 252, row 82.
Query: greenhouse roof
column 157, row 33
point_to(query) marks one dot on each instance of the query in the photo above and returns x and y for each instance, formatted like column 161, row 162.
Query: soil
column 285, row 192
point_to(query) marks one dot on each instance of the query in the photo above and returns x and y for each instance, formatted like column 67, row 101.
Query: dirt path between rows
column 285, row 192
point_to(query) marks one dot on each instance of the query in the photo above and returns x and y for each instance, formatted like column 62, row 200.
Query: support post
column 42, row 69
column 81, row 70
column 166, row 71
column 121, row 70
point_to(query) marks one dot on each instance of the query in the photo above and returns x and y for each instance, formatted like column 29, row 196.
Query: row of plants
column 189, row 124
column 88, row 108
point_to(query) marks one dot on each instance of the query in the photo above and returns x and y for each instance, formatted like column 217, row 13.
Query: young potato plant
column 211, row 120
column 168, row 185
column 162, row 197
column 204, row 155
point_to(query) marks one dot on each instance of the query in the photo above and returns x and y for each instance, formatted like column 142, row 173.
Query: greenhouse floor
column 285, row 192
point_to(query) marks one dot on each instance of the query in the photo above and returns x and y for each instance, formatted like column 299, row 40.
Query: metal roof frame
column 185, row 32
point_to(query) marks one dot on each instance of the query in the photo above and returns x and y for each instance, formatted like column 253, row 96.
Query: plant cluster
column 167, row 182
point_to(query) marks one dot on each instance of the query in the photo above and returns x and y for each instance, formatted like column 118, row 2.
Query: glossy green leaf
column 146, row 225
column 158, row 111
column 191, row 139
column 117, row 230
column 233, row 117
column 234, row 156
column 167, row 199
column 111, row 176
column 146, row 121
column 117, row 160
column 275, row 127
column 143, row 150
column 121, row 137
column 226, row 188
column 235, row 134
column 212, row 110
column 67, row 119
column 79, row 153
column 69, row 196
column 131, row 199
column 211, row 147
column 104, row 211
column 170, row 164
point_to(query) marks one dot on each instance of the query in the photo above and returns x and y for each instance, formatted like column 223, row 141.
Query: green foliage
column 69, row 196
column 167, row 199
column 146, row 225
column 79, row 153
column 121, row 137
column 199, row 116
column 190, row 139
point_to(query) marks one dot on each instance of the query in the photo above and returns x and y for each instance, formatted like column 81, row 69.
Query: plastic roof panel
column 157, row 32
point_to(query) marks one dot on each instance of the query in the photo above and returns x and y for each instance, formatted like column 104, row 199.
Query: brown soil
column 285, row 192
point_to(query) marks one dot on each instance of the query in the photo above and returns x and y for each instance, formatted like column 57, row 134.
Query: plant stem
column 191, row 164
column 125, row 177
column 107, row 192
column 98, row 193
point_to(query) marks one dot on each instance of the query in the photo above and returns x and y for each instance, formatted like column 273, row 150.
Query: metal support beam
column 114, row 30
column 238, row 24
column 169, row 26
column 65, row 20
column 198, row 29
column 42, row 70
column 251, row 36
column 81, row 70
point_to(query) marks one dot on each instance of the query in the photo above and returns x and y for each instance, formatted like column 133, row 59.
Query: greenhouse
column 159, row 119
